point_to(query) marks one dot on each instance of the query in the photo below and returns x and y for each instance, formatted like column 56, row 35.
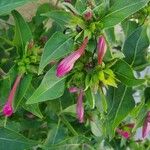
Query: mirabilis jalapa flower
column 68, row 62
column 79, row 106
column 8, row 108
column 146, row 125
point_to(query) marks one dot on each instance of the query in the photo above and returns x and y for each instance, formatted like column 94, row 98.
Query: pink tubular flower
column 123, row 133
column 80, row 108
column 67, row 63
column 102, row 47
column 8, row 109
column 146, row 126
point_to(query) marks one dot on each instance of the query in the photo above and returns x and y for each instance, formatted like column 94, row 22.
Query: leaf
column 90, row 98
column 6, row 5
column 58, row 46
column 56, row 134
column 71, row 143
column 135, row 47
column 61, row 17
column 81, row 5
column 120, row 10
column 129, row 27
column 33, row 108
column 11, row 140
column 125, row 74
column 22, row 89
column 70, row 110
column 50, row 88
column 120, row 104
column 95, row 125
column 22, row 32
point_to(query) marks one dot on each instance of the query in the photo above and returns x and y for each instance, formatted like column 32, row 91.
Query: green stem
column 69, row 126
column 5, row 122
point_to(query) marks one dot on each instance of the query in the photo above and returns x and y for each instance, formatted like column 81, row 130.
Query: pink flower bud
column 68, row 62
column 7, row 110
column 88, row 15
column 125, row 134
column 146, row 126
column 73, row 89
column 67, row 1
column 80, row 108
column 102, row 47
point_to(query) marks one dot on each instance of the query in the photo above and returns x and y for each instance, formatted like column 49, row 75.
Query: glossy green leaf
column 22, row 32
column 120, row 104
column 56, row 47
column 125, row 74
column 11, row 140
column 135, row 47
column 8, row 5
column 120, row 10
column 50, row 88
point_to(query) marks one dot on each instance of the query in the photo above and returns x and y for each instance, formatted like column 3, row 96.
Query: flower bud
column 80, row 108
column 7, row 110
column 124, row 134
column 146, row 126
column 68, row 62
column 88, row 15
column 67, row 1
column 73, row 89
column 102, row 47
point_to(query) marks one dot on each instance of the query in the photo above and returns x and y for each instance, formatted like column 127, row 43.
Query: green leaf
column 11, row 140
column 50, row 88
column 81, row 5
column 61, row 17
column 6, row 5
column 129, row 27
column 125, row 74
column 135, row 47
column 58, row 46
column 71, row 143
column 120, row 10
column 90, row 98
column 33, row 108
column 56, row 134
column 22, row 89
column 70, row 110
column 22, row 32
column 120, row 104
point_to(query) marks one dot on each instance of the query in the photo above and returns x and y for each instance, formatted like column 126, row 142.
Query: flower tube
column 8, row 109
column 67, row 63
